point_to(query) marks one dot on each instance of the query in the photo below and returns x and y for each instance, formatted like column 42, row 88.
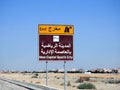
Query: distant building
column 118, row 70
column 87, row 72
column 72, row 70
column 53, row 71
column 60, row 70
column 106, row 70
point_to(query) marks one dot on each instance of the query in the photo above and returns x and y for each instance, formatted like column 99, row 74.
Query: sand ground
column 57, row 80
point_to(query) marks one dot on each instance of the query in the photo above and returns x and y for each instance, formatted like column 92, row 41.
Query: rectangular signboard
column 55, row 47
column 55, row 29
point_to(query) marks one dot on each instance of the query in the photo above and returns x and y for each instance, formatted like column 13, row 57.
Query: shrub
column 58, row 77
column 35, row 75
column 82, row 79
column 86, row 86
column 37, row 82
column 68, row 84
column 62, row 84
column 113, row 81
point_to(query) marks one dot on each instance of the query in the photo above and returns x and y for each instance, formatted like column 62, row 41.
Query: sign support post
column 46, row 74
column 64, row 75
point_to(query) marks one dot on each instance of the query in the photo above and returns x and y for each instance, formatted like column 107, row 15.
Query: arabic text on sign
column 51, row 52
column 55, row 29
column 53, row 49
column 60, row 45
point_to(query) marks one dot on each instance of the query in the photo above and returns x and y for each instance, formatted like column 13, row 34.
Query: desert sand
column 57, row 80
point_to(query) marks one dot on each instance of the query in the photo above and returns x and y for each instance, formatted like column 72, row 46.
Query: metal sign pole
column 64, row 76
column 46, row 74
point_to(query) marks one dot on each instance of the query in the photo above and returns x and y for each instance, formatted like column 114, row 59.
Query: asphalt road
column 9, row 86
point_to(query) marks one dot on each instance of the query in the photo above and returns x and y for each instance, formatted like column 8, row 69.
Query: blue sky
column 96, row 38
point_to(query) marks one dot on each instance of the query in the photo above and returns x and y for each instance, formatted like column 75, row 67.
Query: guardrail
column 29, row 86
